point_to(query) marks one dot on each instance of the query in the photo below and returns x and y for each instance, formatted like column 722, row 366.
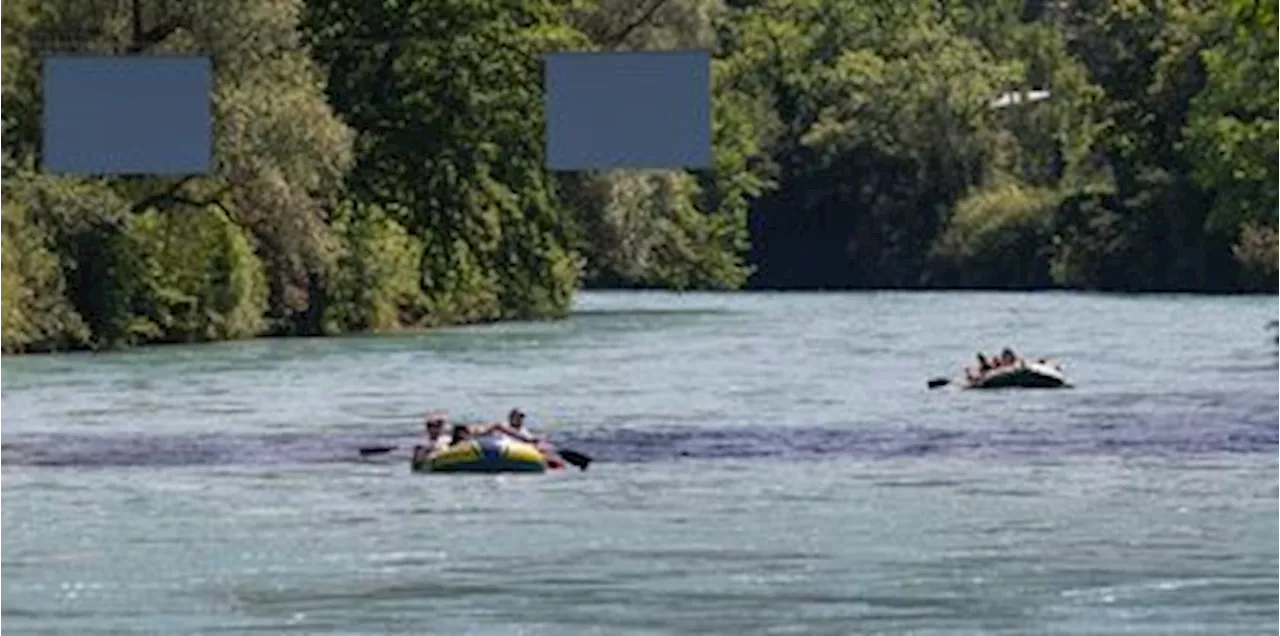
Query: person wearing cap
column 515, row 420
column 514, row 428
column 437, row 440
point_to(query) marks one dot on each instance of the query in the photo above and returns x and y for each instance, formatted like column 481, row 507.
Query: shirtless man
column 514, row 428
column 437, row 440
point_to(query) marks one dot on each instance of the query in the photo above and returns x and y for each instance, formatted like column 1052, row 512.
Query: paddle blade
column 938, row 382
column 375, row 450
column 575, row 458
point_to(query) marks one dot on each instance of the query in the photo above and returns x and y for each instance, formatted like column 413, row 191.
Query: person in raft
column 436, row 439
column 514, row 428
column 1006, row 358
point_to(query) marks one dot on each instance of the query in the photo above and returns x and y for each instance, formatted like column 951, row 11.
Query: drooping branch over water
column 380, row 163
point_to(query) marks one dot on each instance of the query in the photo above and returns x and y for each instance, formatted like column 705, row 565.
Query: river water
column 765, row 463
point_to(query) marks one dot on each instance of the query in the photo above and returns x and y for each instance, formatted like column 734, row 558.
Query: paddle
column 939, row 382
column 574, row 457
column 365, row 451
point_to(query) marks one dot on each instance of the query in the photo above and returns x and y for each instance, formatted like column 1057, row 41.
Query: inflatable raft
column 492, row 454
column 1022, row 374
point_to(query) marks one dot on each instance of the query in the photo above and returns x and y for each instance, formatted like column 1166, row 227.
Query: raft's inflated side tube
column 493, row 454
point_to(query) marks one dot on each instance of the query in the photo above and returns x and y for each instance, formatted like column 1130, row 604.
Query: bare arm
column 506, row 429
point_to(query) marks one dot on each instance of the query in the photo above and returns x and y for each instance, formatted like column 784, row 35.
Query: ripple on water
column 765, row 464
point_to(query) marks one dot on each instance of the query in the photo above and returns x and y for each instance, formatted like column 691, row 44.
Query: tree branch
column 611, row 41
column 171, row 196
column 150, row 37
column 143, row 40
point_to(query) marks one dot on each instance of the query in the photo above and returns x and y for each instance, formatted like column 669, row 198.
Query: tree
column 281, row 154
column 446, row 97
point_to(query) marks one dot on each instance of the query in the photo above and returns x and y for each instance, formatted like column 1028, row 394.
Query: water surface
column 766, row 463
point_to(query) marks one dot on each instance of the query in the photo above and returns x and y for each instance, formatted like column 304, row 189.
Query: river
column 765, row 464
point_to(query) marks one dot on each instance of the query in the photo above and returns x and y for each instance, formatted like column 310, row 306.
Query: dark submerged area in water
column 1212, row 422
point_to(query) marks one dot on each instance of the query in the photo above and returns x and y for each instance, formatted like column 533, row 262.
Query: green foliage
column 1258, row 251
column 195, row 277
column 696, row 250
column 646, row 229
column 1185, row 174
column 1232, row 131
column 79, row 220
column 36, row 315
column 374, row 285
column 380, row 163
column 188, row 276
column 671, row 229
column 18, row 83
column 882, row 123
column 1091, row 241
column 884, row 119
column 446, row 105
column 997, row 238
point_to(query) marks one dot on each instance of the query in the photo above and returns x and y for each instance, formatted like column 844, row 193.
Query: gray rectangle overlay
column 117, row 114
column 628, row 110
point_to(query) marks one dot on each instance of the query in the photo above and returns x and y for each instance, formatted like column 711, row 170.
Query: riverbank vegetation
column 379, row 163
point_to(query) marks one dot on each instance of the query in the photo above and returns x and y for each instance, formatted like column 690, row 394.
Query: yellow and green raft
column 491, row 454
